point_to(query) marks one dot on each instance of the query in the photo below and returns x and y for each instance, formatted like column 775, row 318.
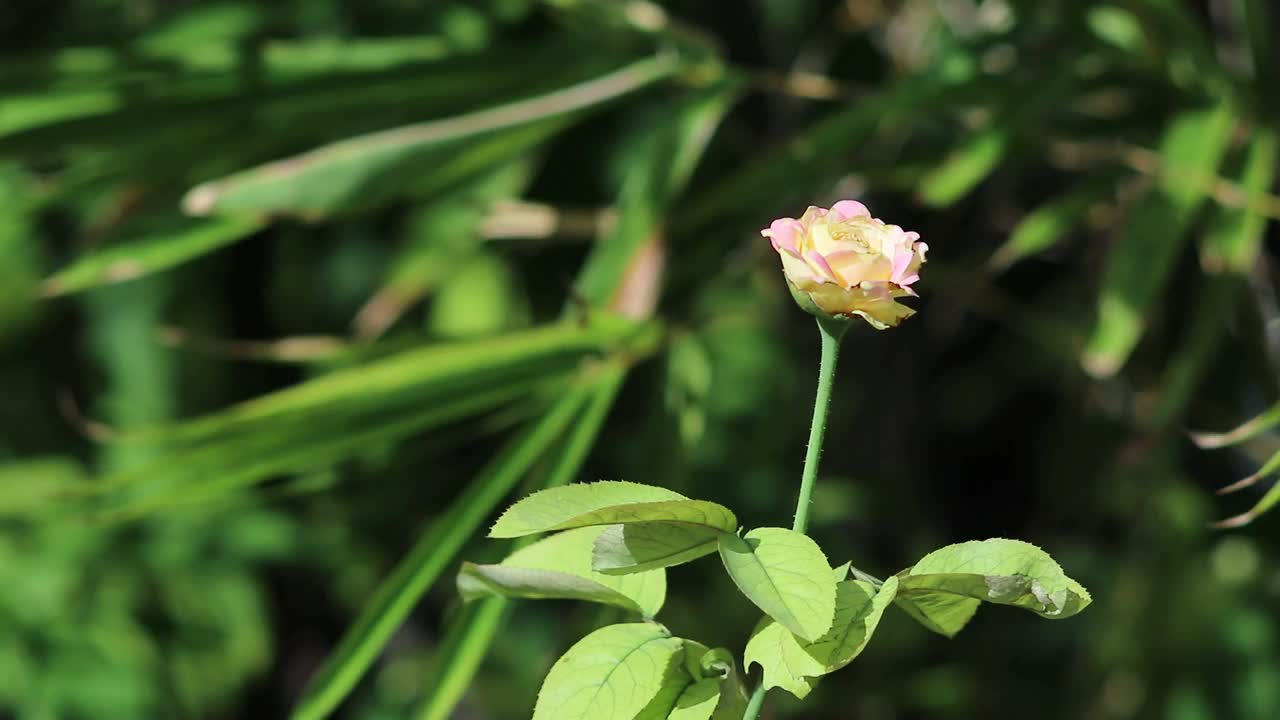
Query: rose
column 843, row 262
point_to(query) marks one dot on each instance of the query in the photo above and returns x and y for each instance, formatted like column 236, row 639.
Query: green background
column 1093, row 179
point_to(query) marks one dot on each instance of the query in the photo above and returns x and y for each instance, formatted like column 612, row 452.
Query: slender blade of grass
column 477, row 628
column 396, row 596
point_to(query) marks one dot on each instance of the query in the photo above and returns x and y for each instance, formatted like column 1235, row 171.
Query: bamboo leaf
column 477, row 628
column 412, row 377
column 400, row 592
column 336, row 176
column 154, row 251
column 967, row 166
column 1234, row 239
column 1268, row 501
column 1243, row 433
column 187, row 477
column 656, row 171
column 1139, row 265
column 1046, row 226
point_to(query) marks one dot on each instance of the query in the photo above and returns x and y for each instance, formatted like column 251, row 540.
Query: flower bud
column 843, row 262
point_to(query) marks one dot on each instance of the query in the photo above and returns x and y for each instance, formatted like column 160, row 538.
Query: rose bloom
column 846, row 263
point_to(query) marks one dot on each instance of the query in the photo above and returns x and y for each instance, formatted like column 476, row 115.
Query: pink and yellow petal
column 848, row 209
column 858, row 267
column 785, row 233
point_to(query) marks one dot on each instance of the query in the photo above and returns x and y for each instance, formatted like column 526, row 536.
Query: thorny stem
column 831, row 331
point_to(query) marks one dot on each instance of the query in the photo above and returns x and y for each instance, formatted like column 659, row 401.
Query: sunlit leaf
column 1243, row 433
column 623, row 549
column 607, row 503
column 1235, row 237
column 481, row 623
column 414, row 376
column 559, row 566
column 668, row 148
column 396, row 597
column 794, row 665
column 340, row 175
column 611, row 674
column 965, row 167
column 155, row 250
column 786, row 575
column 1047, row 225
column 945, row 588
column 33, row 485
column 1139, row 265
column 1268, row 501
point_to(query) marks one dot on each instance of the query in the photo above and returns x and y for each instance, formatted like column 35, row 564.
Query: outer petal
column 885, row 315
column 919, row 249
column 833, row 299
column 847, row 209
column 878, row 307
column 901, row 263
column 811, row 215
column 785, row 233
column 797, row 270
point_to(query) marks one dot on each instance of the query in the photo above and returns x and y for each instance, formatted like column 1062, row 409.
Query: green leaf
column 944, row 589
column 156, row 249
column 1117, row 26
column 465, row 644
column 481, row 299
column 439, row 237
column 482, row 622
column 611, row 674
column 1026, row 102
column 669, row 146
column 1186, row 50
column 1048, row 224
column 1139, row 265
column 415, row 376
column 1234, row 239
column 794, row 665
column 1243, row 433
column 786, row 575
column 623, row 549
column 215, row 470
column 698, row 702
column 684, row 698
column 1268, row 501
column 399, row 593
column 38, row 484
column 965, row 167
column 340, row 175
column 607, row 502
column 705, row 685
column 559, row 566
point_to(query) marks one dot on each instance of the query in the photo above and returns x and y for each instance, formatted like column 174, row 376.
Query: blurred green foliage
column 278, row 280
